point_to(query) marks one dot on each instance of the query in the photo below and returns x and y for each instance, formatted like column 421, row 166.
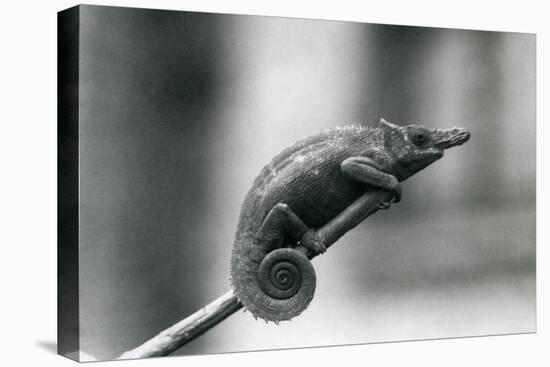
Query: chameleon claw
column 396, row 193
column 384, row 205
column 322, row 248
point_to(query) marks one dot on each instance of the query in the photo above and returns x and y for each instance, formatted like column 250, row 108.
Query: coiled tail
column 276, row 285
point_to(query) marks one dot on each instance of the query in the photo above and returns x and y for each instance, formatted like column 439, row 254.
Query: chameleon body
column 303, row 188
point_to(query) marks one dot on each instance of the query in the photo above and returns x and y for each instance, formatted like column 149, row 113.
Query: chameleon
column 303, row 188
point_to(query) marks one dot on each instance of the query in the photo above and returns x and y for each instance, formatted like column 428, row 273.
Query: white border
column 28, row 33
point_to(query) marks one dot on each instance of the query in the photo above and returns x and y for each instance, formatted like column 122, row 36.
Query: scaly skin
column 303, row 188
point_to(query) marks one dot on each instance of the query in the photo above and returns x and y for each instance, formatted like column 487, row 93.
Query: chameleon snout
column 448, row 138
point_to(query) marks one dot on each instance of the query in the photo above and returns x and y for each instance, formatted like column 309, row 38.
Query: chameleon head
column 414, row 147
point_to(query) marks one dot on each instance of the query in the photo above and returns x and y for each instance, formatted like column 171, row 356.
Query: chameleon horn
column 287, row 280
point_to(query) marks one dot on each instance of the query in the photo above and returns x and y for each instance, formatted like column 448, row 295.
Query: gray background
column 180, row 111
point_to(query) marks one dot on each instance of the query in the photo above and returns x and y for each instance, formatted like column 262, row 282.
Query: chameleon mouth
column 427, row 155
column 433, row 154
column 413, row 163
column 456, row 136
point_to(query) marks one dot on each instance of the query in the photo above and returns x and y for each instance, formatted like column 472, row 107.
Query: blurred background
column 180, row 111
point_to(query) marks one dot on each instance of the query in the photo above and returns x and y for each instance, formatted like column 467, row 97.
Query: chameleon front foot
column 384, row 205
column 366, row 170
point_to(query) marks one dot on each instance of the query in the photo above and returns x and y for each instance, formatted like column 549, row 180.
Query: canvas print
column 233, row 183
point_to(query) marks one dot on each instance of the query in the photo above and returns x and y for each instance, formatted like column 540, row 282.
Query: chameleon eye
column 419, row 137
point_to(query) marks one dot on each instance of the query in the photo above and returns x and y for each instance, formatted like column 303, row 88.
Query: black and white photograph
column 217, row 154
column 244, row 183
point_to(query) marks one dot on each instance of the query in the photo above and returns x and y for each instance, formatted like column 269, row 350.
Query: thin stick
column 177, row 335
column 184, row 331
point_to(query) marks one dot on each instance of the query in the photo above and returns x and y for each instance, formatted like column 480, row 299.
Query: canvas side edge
column 68, row 328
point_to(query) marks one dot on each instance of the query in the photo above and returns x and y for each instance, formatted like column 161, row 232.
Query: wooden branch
column 184, row 331
column 173, row 338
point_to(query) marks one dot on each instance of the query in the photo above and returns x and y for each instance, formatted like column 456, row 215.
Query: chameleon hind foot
column 312, row 243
